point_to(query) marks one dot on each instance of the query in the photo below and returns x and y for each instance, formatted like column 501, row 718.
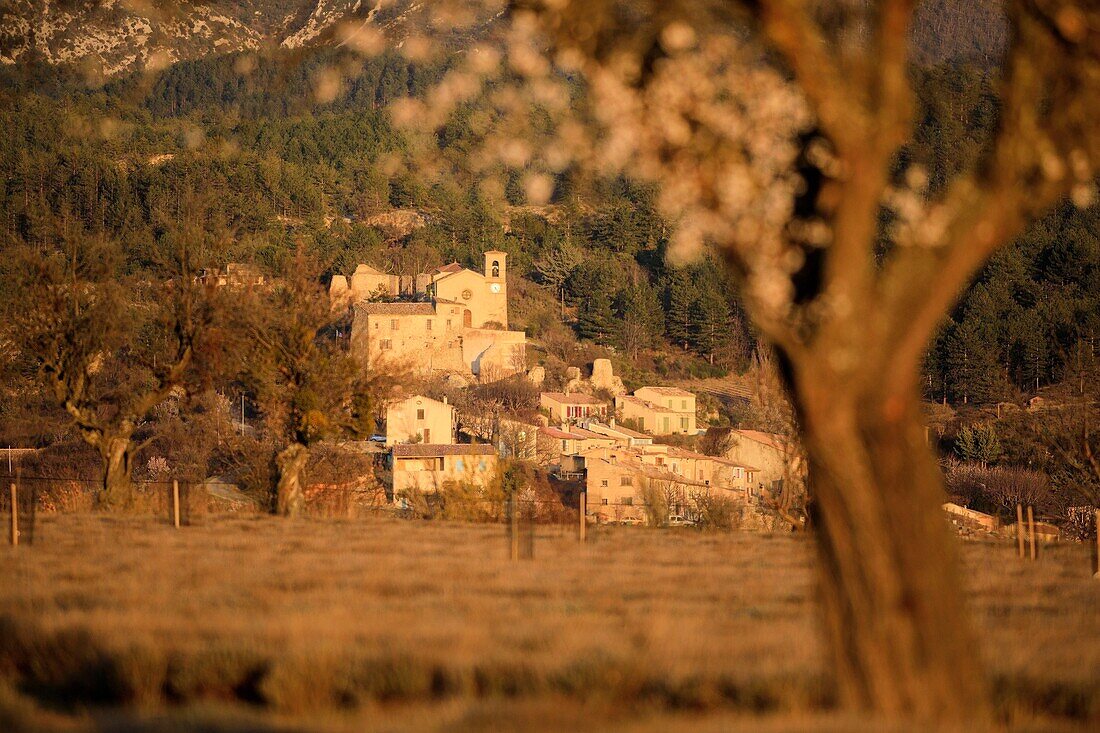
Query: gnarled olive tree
column 109, row 348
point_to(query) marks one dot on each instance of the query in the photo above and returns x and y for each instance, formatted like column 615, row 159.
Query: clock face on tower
column 495, row 287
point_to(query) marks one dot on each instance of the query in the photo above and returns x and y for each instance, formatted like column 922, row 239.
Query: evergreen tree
column 595, row 318
column 642, row 320
column 679, row 299
column 711, row 321
column 977, row 374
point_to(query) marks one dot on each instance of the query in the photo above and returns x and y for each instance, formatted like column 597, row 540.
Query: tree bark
column 901, row 646
column 117, row 489
column 290, row 491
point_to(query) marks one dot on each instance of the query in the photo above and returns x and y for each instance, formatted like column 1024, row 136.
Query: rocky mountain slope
column 114, row 36
column 108, row 37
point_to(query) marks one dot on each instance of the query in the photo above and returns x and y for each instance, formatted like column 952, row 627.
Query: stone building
column 659, row 410
column 426, row 469
column 366, row 282
column 572, row 407
column 461, row 329
column 420, row 419
column 484, row 295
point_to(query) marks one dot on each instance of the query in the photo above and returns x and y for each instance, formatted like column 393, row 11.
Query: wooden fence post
column 1097, row 576
column 14, row 515
column 1019, row 531
column 176, row 503
column 1031, row 528
column 582, row 507
column 513, row 523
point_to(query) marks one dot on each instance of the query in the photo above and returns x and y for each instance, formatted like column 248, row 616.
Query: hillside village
column 623, row 452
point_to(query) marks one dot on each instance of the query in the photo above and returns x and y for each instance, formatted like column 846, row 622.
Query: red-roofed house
column 566, row 408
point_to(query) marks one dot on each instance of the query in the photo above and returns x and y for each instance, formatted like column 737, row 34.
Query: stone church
column 461, row 329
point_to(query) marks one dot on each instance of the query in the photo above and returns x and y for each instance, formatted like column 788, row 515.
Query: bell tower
column 496, row 282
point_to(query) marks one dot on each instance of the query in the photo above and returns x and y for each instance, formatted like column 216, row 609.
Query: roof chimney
column 445, row 402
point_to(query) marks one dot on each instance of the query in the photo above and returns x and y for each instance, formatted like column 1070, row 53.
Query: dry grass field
column 241, row 623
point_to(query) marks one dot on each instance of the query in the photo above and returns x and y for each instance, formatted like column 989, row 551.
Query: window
column 660, row 460
column 377, row 325
column 385, row 344
column 393, row 324
column 626, row 481
column 627, row 501
column 481, row 465
column 737, row 473
column 683, row 404
column 564, row 445
column 459, row 465
column 448, row 324
column 665, row 422
column 603, row 501
column 683, row 423
column 427, row 435
column 420, row 414
column 496, row 268
column 603, row 482
column 428, row 325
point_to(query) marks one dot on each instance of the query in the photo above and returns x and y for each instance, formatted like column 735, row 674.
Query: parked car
column 378, row 438
column 631, row 521
column 675, row 520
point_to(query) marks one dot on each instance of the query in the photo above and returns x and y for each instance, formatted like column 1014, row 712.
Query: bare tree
column 788, row 172
column 108, row 348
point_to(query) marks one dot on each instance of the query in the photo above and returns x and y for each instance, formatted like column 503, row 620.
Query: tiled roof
column 631, row 433
column 555, row 433
column 669, row 391
column 644, row 403
column 427, row 450
column 573, row 398
column 396, row 309
column 769, row 439
column 588, row 434
column 682, row 453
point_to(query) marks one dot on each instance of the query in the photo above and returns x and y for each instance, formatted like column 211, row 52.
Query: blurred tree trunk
column 290, row 490
column 899, row 643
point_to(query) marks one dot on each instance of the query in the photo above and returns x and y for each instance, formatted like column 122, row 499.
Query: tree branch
column 794, row 34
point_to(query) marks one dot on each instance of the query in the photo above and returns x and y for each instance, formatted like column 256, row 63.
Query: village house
column 623, row 436
column 558, row 446
column 420, row 419
column 659, row 410
column 427, row 468
column 616, row 476
column 568, row 408
column 366, row 282
column 776, row 458
column 617, row 484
